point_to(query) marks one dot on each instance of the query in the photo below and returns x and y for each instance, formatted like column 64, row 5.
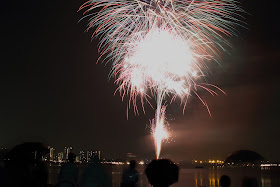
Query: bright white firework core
column 160, row 58
column 160, row 133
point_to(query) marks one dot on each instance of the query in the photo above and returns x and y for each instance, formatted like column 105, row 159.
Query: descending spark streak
column 159, row 131
column 161, row 47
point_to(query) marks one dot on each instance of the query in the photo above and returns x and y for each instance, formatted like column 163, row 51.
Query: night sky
column 53, row 91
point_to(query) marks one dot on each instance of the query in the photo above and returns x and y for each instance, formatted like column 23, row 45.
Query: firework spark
column 161, row 47
column 159, row 130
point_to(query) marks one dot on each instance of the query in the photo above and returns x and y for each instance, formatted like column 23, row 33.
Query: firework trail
column 161, row 48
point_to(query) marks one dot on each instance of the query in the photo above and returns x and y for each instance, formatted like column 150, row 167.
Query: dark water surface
column 269, row 177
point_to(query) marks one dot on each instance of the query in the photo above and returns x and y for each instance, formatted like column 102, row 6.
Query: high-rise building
column 60, row 157
column 86, row 156
column 82, row 156
column 91, row 154
column 99, row 154
column 67, row 150
column 51, row 153
column 77, row 159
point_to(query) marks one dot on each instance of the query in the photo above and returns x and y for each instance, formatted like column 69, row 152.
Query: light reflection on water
column 194, row 177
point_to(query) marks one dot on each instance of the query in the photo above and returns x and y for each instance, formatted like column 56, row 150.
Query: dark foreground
column 268, row 177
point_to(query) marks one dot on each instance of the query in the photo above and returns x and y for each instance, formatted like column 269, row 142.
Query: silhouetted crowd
column 23, row 167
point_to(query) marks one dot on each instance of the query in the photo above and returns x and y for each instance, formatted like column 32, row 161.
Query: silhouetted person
column 249, row 182
column 68, row 176
column 130, row 175
column 162, row 173
column 2, row 174
column 225, row 181
column 95, row 175
column 24, row 166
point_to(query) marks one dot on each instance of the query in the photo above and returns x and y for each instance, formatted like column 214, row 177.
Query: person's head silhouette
column 24, row 165
column 225, row 181
column 132, row 164
column 162, row 173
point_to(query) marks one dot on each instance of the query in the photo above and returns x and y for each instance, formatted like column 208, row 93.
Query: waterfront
column 196, row 177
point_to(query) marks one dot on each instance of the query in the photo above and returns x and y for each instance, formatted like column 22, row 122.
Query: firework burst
column 161, row 47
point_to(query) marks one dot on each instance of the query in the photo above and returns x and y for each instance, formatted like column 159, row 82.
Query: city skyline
column 85, row 156
column 242, row 158
column 54, row 92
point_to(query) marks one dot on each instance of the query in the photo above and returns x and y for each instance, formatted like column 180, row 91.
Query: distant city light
column 270, row 165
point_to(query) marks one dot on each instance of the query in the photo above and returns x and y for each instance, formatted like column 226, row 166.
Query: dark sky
column 53, row 91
